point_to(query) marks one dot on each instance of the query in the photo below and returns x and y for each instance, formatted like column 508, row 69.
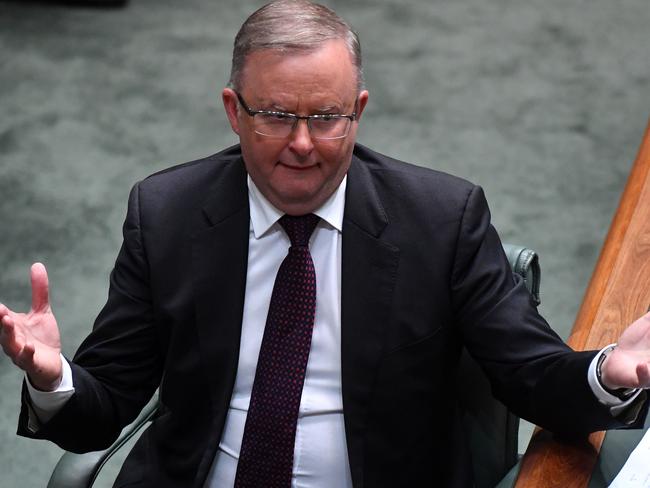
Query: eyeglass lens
column 320, row 128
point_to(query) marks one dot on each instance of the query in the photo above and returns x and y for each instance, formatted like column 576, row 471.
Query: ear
column 231, row 104
column 362, row 101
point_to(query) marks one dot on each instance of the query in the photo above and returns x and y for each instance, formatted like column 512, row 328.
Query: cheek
column 259, row 157
column 335, row 155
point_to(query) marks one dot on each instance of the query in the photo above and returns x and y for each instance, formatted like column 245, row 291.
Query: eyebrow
column 274, row 107
column 329, row 108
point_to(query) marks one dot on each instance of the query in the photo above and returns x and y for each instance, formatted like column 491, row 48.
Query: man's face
column 297, row 173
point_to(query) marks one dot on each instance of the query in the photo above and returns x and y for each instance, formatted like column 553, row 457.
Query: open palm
column 32, row 339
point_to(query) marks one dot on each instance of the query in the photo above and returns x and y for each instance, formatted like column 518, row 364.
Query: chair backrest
column 491, row 429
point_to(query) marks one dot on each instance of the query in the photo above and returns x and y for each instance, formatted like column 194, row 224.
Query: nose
column 301, row 142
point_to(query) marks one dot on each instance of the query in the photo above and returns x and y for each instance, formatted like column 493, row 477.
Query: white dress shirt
column 320, row 455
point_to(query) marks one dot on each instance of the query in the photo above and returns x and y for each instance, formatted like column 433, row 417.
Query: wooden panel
column 618, row 293
column 607, row 278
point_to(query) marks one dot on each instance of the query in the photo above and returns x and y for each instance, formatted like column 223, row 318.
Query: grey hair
column 292, row 26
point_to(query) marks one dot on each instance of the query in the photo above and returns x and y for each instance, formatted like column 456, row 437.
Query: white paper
column 636, row 471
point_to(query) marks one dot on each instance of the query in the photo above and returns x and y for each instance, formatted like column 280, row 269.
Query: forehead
column 326, row 73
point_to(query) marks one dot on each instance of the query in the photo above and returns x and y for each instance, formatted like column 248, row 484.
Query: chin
column 299, row 203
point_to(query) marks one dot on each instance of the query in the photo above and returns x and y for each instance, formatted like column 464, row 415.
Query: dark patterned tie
column 266, row 455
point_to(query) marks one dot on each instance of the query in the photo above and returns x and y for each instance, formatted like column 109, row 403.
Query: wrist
column 45, row 386
column 622, row 393
column 44, row 381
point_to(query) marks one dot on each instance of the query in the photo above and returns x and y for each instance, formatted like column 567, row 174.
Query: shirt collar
column 264, row 214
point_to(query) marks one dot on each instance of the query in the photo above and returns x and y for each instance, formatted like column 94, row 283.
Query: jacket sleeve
column 530, row 368
column 119, row 365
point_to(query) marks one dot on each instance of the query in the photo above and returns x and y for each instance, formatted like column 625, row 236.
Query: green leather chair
column 491, row 430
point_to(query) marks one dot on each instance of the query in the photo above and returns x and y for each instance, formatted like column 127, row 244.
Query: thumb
column 40, row 288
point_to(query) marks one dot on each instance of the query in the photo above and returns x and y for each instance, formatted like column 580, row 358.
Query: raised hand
column 628, row 366
column 32, row 339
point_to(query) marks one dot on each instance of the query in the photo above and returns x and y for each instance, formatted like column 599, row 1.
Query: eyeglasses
column 281, row 124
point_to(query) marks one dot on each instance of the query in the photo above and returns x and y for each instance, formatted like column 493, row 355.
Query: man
column 407, row 269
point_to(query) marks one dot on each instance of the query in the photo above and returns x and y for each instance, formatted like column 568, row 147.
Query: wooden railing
column 618, row 293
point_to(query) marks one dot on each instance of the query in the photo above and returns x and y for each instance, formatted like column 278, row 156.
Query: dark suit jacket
column 423, row 272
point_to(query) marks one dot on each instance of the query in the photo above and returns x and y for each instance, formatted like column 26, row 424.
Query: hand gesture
column 32, row 340
column 628, row 366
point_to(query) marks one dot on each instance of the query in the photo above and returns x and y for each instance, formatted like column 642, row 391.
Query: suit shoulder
column 180, row 189
column 409, row 179
column 199, row 171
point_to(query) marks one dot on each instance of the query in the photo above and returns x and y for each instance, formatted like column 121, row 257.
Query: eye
column 277, row 118
column 281, row 116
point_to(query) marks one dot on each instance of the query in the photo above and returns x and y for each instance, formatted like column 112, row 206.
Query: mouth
column 298, row 167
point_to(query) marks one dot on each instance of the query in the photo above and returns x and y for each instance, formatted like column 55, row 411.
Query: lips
column 298, row 167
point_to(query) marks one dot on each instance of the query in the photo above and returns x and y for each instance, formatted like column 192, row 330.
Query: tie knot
column 299, row 228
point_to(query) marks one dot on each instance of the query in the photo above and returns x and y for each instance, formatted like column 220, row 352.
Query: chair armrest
column 510, row 478
column 81, row 470
column 525, row 263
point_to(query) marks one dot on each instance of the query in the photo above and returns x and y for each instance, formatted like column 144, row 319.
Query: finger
column 643, row 373
column 8, row 339
column 3, row 316
column 25, row 358
column 7, row 325
column 4, row 312
column 40, row 288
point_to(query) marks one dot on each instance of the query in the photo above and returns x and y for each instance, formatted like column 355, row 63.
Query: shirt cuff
column 615, row 404
column 46, row 404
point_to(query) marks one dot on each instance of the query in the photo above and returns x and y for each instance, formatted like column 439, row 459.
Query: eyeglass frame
column 296, row 118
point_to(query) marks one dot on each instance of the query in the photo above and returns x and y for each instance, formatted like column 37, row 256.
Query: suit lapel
column 369, row 266
column 219, row 264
